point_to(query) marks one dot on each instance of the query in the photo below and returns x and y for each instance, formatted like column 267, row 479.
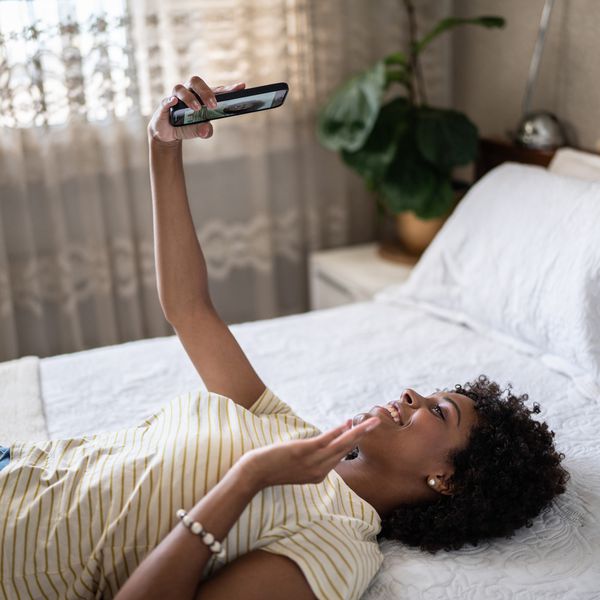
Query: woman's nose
column 412, row 398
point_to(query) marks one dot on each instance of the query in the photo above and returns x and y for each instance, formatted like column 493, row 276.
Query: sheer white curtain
column 77, row 83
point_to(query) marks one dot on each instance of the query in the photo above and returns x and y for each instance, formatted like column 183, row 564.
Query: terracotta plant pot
column 416, row 234
column 413, row 234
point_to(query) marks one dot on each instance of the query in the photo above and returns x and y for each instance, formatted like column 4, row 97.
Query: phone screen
column 229, row 108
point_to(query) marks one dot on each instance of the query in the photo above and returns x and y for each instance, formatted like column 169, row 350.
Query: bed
column 331, row 364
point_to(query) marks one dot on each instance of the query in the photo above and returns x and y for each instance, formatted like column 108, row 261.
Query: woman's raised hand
column 303, row 461
column 160, row 128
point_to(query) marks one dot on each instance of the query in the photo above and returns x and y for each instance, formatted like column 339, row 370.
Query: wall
column 491, row 66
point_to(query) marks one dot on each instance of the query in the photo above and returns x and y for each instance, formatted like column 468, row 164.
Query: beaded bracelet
column 196, row 528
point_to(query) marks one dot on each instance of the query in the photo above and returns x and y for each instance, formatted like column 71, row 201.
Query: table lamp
column 539, row 129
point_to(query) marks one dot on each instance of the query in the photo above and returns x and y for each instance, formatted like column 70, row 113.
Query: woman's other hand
column 160, row 129
column 303, row 461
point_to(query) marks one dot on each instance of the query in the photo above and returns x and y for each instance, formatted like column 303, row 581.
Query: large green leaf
column 451, row 22
column 439, row 201
column 347, row 120
column 445, row 138
column 373, row 158
column 411, row 183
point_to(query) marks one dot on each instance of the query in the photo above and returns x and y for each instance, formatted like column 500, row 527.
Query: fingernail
column 196, row 105
column 212, row 103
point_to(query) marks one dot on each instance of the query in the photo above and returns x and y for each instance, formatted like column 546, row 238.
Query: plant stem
column 383, row 209
column 411, row 57
column 417, row 84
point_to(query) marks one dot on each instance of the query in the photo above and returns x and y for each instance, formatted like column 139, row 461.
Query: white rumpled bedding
column 329, row 365
column 520, row 257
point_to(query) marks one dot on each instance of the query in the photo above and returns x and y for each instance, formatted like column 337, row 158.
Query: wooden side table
column 494, row 152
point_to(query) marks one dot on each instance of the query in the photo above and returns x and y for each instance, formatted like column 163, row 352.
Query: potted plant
column 405, row 149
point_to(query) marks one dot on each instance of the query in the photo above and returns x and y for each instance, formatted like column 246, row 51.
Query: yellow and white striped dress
column 77, row 516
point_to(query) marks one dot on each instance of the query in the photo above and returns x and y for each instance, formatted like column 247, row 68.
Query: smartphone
column 230, row 104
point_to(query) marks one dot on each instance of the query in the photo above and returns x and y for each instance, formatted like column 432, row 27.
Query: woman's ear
column 440, row 483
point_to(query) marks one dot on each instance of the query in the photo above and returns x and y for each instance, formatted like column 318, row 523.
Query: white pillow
column 519, row 259
column 576, row 163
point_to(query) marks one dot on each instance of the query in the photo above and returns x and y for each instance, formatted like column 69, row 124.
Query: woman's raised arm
column 181, row 273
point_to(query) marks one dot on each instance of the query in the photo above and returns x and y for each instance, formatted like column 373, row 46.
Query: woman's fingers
column 338, row 448
column 167, row 103
column 346, row 440
column 207, row 94
column 344, row 436
column 222, row 89
column 201, row 88
column 327, row 437
column 191, row 94
column 203, row 130
column 186, row 96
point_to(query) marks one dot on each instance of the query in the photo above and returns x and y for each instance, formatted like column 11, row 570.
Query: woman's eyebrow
column 455, row 406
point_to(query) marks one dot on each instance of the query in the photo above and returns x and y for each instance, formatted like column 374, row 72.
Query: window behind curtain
column 65, row 59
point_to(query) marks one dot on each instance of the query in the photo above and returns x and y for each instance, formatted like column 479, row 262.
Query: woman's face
column 416, row 435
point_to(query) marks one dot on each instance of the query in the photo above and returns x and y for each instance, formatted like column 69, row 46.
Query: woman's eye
column 440, row 411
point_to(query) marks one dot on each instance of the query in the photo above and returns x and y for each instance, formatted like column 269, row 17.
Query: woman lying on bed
column 276, row 509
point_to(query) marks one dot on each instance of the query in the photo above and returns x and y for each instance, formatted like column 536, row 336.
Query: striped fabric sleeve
column 269, row 404
column 337, row 564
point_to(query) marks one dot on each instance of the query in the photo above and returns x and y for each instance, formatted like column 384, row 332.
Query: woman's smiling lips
column 391, row 411
column 382, row 412
column 394, row 409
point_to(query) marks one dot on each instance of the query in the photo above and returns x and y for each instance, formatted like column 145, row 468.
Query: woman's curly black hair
column 508, row 472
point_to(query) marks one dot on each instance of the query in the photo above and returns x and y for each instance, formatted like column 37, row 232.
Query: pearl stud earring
column 431, row 482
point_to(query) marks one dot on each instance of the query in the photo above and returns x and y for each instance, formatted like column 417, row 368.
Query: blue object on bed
column 4, row 457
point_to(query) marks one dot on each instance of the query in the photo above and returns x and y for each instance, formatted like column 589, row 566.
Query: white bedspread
column 21, row 407
column 331, row 364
